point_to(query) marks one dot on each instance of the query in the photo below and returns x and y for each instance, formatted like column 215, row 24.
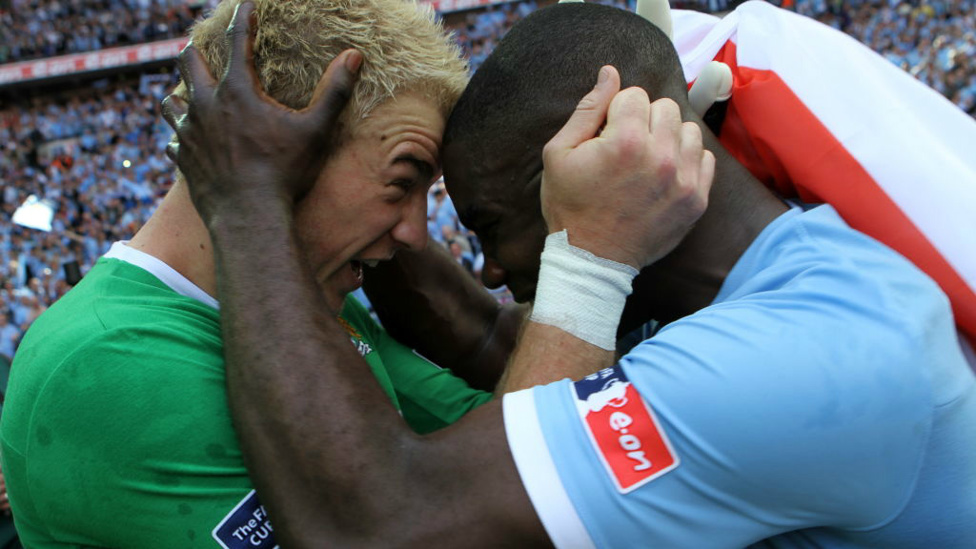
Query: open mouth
column 356, row 266
column 357, row 270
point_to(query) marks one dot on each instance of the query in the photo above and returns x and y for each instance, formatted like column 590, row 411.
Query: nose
column 492, row 274
column 411, row 231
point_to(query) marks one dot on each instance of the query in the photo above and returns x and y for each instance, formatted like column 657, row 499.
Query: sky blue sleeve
column 772, row 426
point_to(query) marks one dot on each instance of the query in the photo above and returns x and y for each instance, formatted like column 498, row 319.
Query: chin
column 522, row 295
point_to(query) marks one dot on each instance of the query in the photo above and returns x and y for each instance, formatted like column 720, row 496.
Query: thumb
column 590, row 113
column 334, row 89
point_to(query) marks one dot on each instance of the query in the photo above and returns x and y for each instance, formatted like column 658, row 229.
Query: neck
column 690, row 277
column 176, row 235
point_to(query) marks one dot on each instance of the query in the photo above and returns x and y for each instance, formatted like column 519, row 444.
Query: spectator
column 45, row 28
column 9, row 338
column 457, row 252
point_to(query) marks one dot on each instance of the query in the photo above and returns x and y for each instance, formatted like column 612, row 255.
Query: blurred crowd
column 97, row 160
column 45, row 28
column 933, row 40
column 97, row 156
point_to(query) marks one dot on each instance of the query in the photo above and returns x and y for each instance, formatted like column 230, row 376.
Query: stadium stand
column 45, row 28
column 91, row 150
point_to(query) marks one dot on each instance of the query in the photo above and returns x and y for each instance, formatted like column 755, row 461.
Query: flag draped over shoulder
column 817, row 115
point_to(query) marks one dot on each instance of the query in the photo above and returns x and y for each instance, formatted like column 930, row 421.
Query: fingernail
column 604, row 76
column 354, row 60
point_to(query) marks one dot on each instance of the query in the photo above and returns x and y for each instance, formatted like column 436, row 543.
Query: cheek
column 525, row 264
column 521, row 255
column 378, row 220
column 319, row 231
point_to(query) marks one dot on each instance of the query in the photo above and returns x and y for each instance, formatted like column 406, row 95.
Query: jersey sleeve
column 429, row 396
column 725, row 429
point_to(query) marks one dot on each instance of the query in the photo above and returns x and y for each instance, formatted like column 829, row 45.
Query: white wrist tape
column 581, row 293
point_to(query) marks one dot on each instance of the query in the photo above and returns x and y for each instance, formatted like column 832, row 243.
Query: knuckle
column 631, row 144
column 339, row 93
column 692, row 132
column 590, row 102
column 549, row 150
column 694, row 197
column 637, row 94
column 667, row 169
column 666, row 105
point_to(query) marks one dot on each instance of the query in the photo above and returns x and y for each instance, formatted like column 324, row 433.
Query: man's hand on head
column 235, row 141
column 625, row 177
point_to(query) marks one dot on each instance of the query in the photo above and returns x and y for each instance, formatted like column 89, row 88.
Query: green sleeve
column 430, row 397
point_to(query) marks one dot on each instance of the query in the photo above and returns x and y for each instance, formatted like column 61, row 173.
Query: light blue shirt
column 822, row 400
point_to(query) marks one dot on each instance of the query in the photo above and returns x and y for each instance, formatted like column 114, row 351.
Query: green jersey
column 116, row 431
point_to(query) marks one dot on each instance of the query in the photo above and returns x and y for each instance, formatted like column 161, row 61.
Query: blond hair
column 404, row 48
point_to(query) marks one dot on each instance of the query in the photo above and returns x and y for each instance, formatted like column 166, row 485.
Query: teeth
column 371, row 262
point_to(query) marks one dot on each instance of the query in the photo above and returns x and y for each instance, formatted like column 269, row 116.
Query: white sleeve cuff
column 539, row 475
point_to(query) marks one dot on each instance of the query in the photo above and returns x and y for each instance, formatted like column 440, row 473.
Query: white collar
column 166, row 274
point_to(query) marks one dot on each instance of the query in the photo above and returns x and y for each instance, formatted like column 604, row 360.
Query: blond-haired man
column 116, row 431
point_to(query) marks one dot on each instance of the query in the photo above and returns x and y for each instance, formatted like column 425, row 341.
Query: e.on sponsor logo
column 625, row 434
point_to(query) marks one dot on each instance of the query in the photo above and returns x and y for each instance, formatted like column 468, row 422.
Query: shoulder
column 813, row 266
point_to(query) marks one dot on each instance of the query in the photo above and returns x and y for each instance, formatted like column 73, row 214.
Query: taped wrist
column 581, row 293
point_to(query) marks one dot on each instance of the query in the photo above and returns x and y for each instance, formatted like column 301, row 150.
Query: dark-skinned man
column 810, row 390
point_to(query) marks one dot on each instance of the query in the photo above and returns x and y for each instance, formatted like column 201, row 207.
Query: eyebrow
column 425, row 169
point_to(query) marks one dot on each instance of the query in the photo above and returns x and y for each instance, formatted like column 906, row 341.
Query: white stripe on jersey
column 539, row 474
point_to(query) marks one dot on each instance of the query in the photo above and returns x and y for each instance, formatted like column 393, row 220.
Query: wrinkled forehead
column 409, row 124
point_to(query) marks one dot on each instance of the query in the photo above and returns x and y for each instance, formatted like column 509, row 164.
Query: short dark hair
column 530, row 85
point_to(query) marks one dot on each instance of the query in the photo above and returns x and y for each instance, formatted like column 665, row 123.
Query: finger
column 173, row 151
column 334, row 89
column 690, row 150
column 590, row 113
column 706, row 174
column 665, row 118
column 665, row 127
column 173, row 109
column 240, row 43
column 195, row 73
column 628, row 116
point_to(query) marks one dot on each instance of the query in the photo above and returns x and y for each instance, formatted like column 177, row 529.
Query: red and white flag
column 819, row 116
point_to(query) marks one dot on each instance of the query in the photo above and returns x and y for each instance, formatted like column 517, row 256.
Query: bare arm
column 546, row 354
column 329, row 455
column 429, row 302
column 333, row 461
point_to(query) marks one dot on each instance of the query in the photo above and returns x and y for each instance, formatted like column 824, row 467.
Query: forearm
column 301, row 396
column 427, row 301
column 331, row 459
column 545, row 354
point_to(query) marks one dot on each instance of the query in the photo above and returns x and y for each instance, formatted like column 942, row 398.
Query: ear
column 715, row 81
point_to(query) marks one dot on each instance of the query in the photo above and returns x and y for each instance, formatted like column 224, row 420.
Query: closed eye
column 406, row 184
